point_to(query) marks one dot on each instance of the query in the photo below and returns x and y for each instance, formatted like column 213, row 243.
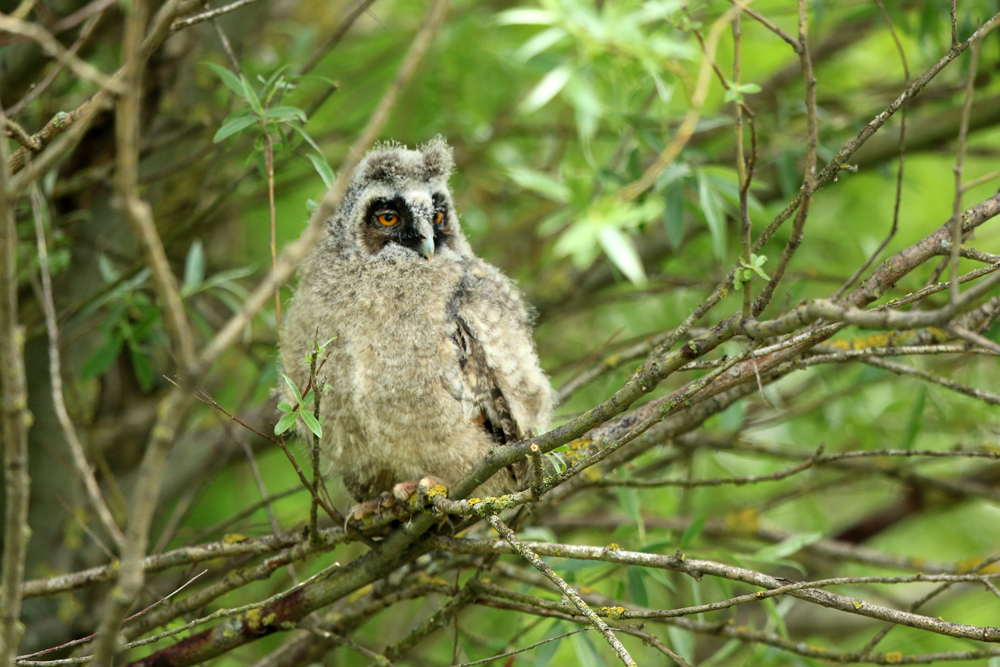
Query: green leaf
column 711, row 206
column 526, row 17
column 539, row 43
column 142, row 367
column 546, row 89
column 637, row 586
column 284, row 406
column 250, row 95
column 660, row 577
column 673, row 214
column 323, row 169
column 285, row 114
column 682, row 641
column 692, row 531
column 623, row 254
column 286, row 422
column 916, row 420
column 628, row 499
column 194, row 268
column 102, row 358
column 271, row 80
column 228, row 78
column 295, row 390
column 305, row 136
column 538, row 533
column 233, row 127
column 581, row 94
column 544, row 653
column 541, row 183
column 109, row 273
column 586, row 654
column 312, row 423
column 787, row 547
column 772, row 611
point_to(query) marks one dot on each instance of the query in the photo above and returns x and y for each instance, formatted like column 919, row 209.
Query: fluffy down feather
column 432, row 362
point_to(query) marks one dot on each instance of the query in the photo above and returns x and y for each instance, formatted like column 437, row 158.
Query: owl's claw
column 404, row 499
column 366, row 512
column 416, row 495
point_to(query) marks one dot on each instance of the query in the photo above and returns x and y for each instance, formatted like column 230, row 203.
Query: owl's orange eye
column 438, row 217
column 388, row 218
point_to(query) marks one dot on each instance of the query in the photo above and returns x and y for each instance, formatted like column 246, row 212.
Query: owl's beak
column 427, row 247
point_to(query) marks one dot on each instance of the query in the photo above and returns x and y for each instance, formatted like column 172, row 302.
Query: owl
column 431, row 360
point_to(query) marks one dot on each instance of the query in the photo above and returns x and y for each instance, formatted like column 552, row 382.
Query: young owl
column 431, row 361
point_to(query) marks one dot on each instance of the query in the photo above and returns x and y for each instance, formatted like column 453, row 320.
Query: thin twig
column 139, row 215
column 577, row 601
column 51, row 45
column 974, row 338
column 14, row 424
column 902, row 160
column 963, row 133
column 180, row 24
column 686, row 129
column 809, row 179
column 43, row 85
column 80, row 464
column 313, row 529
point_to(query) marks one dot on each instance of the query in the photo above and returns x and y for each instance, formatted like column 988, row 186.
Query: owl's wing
column 484, row 400
column 503, row 387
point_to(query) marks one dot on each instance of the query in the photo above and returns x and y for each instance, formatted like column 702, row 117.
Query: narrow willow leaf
column 142, row 367
column 544, row 653
column 539, row 43
column 916, row 421
column 295, row 390
column 312, row 423
column 692, row 531
column 286, row 422
column 250, row 95
column 525, row 17
column 637, row 586
column 232, row 127
column 786, row 547
column 673, row 214
column 285, row 114
column 586, row 653
column 623, row 254
column 194, row 268
column 711, row 206
column 229, row 79
column 305, row 136
column 541, row 183
column 547, row 88
column 323, row 169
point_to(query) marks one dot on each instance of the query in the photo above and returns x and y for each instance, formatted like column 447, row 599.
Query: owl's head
column 399, row 202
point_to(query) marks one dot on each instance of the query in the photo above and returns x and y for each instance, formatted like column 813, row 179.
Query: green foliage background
column 552, row 108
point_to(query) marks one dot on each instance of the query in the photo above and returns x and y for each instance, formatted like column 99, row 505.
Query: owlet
column 431, row 361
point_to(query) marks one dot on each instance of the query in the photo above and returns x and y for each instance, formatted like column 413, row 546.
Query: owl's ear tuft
column 379, row 165
column 438, row 160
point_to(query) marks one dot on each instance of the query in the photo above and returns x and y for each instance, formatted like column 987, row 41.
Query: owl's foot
column 404, row 499
column 415, row 495
column 385, row 505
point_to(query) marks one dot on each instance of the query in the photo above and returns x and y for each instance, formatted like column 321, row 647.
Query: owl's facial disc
column 392, row 220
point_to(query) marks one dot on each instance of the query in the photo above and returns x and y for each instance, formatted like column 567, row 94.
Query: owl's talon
column 366, row 512
column 416, row 495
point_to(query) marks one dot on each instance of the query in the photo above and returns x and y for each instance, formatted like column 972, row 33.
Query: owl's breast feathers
column 431, row 362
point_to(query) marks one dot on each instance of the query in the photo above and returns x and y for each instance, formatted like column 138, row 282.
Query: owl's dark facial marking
column 391, row 220
column 442, row 227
